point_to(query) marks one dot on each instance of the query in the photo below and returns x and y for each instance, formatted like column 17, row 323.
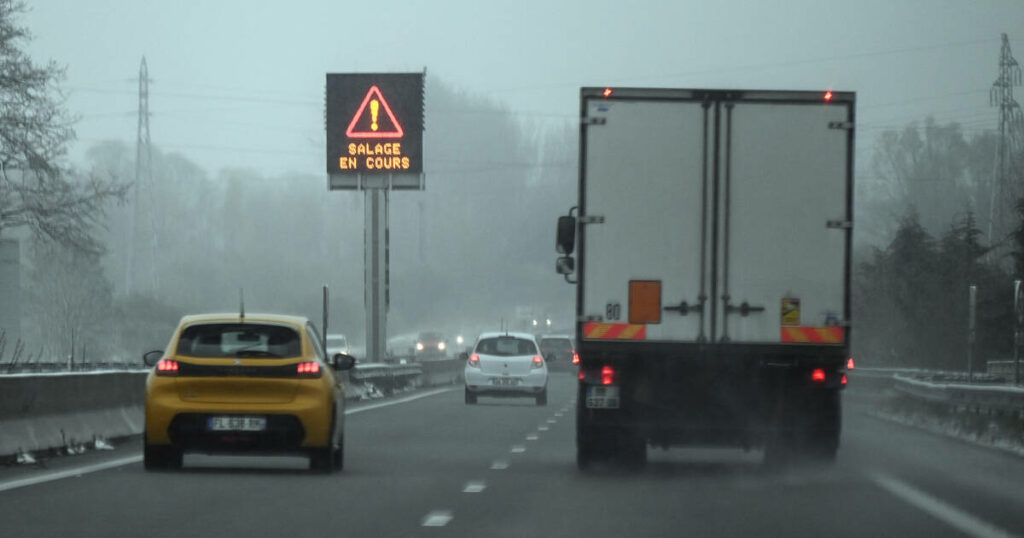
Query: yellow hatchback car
column 247, row 384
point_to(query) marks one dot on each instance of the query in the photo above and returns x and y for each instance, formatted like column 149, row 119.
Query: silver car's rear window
column 239, row 340
column 506, row 346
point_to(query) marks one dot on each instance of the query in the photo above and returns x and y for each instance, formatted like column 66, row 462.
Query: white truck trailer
column 710, row 249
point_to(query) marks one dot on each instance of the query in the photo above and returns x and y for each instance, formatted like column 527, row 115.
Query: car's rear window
column 506, row 346
column 239, row 340
column 556, row 344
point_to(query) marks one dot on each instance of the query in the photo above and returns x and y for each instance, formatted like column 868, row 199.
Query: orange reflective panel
column 645, row 301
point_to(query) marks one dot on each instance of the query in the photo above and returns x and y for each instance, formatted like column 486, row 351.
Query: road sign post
column 972, row 301
column 374, row 127
column 1018, row 309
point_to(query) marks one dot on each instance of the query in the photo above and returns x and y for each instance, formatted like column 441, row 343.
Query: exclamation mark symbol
column 374, row 109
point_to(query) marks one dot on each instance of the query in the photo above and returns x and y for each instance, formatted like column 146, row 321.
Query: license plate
column 505, row 381
column 236, row 424
column 603, row 397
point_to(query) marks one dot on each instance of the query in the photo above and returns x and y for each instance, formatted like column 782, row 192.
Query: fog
column 238, row 196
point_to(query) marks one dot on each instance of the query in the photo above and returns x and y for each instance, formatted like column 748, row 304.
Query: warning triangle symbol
column 374, row 118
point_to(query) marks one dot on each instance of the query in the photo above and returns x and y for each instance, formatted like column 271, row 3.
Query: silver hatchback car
column 506, row 364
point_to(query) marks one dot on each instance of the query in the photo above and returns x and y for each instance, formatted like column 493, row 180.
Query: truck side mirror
column 565, row 243
column 565, row 265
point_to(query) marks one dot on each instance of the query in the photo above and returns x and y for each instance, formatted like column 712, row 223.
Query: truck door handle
column 685, row 308
column 744, row 308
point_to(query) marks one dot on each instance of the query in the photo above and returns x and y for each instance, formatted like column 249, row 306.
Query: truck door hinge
column 744, row 309
column 685, row 308
column 594, row 120
column 840, row 224
column 842, row 125
column 591, row 219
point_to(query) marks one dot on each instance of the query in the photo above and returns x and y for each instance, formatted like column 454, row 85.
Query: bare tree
column 37, row 189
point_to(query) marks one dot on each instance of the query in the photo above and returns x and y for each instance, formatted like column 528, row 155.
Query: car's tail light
column 474, row 360
column 167, row 367
column 607, row 375
column 538, row 361
column 849, row 363
column 818, row 375
column 575, row 358
column 844, row 380
column 308, row 369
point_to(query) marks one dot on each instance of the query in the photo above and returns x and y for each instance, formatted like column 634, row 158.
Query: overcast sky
column 241, row 82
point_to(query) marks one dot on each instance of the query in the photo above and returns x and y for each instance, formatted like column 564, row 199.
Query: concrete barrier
column 52, row 410
column 44, row 411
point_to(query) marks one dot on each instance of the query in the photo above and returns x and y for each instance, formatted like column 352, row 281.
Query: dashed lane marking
column 398, row 401
column 948, row 513
column 532, row 437
column 518, row 449
column 499, row 465
column 437, row 518
column 559, row 414
column 543, row 428
column 552, row 421
column 474, row 487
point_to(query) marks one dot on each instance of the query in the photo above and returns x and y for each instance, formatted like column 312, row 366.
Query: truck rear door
column 783, row 222
column 645, row 176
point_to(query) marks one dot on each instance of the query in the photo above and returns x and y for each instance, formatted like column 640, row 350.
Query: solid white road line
column 20, row 483
column 475, row 486
column 437, row 518
column 398, row 401
column 947, row 513
column 77, row 471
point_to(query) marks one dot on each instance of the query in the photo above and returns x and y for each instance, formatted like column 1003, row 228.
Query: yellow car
column 245, row 383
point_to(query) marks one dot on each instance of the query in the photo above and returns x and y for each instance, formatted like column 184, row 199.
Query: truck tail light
column 575, row 357
column 474, row 360
column 849, row 363
column 167, row 367
column 607, row 375
column 308, row 369
column 538, row 362
column 818, row 375
column 844, row 380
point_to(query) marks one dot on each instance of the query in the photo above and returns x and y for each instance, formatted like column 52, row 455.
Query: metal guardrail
column 57, row 367
column 982, row 397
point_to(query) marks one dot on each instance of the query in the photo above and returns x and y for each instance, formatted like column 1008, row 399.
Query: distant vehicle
column 506, row 364
column 337, row 343
column 259, row 383
column 431, row 345
column 559, row 351
column 713, row 308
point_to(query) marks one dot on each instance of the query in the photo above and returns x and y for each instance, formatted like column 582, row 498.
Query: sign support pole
column 1018, row 318
column 375, row 272
column 972, row 301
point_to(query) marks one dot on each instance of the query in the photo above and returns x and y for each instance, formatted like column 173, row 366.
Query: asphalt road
column 505, row 468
